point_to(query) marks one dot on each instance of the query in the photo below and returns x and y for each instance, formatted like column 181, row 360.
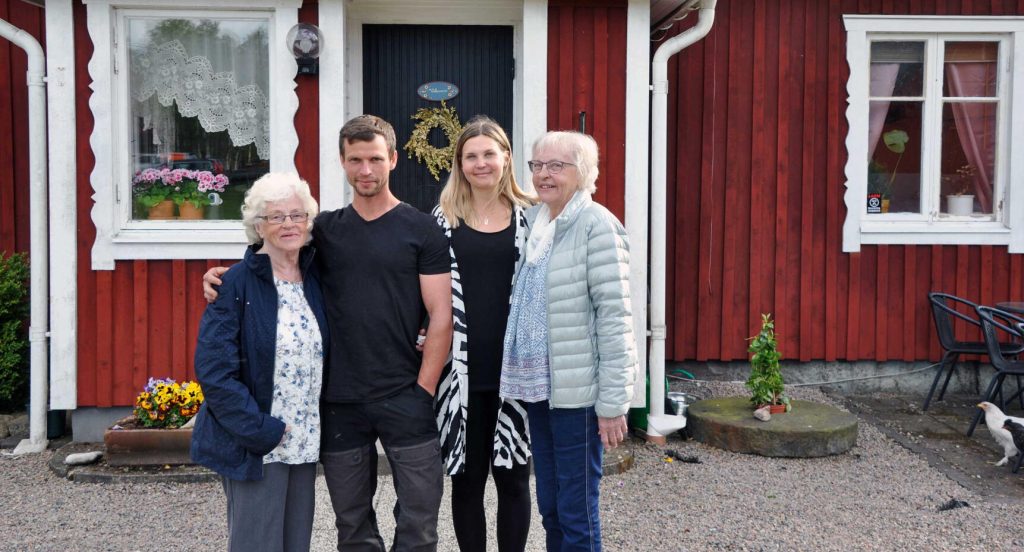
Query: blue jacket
column 235, row 365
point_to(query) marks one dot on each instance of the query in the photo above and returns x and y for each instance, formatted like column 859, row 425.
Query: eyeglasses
column 554, row 167
column 279, row 218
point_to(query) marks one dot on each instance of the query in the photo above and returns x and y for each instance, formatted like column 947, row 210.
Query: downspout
column 658, row 424
column 38, row 248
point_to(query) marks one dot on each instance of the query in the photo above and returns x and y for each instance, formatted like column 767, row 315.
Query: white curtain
column 883, row 82
column 207, row 70
column 975, row 123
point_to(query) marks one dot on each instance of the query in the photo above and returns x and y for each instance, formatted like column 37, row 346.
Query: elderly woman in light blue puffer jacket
column 570, row 354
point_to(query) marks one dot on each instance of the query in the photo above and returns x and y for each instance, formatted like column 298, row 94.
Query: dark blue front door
column 398, row 59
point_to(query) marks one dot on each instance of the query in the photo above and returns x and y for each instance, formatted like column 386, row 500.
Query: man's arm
column 436, row 290
column 211, row 279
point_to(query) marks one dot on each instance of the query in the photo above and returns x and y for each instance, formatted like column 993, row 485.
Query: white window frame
column 1006, row 225
column 119, row 237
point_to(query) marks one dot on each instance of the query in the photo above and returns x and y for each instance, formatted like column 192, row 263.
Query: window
column 197, row 115
column 932, row 113
column 192, row 105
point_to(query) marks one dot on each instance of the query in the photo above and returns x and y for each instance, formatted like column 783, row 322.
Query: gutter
column 38, row 248
column 658, row 424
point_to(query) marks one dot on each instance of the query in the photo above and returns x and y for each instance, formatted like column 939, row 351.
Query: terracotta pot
column 162, row 211
column 147, row 447
column 774, row 408
column 187, row 211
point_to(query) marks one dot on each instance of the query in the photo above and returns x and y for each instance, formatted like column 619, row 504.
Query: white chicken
column 994, row 419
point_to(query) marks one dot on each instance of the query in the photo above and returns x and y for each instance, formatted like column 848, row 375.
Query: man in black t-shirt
column 384, row 267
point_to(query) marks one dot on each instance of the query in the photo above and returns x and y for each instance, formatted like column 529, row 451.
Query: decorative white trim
column 117, row 239
column 332, row 104
column 60, row 104
column 638, row 77
column 1007, row 228
column 529, row 22
column 531, row 84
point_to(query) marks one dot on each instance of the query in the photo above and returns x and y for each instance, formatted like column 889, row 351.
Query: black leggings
column 513, row 485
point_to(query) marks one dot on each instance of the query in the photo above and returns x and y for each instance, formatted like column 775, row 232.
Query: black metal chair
column 994, row 321
column 944, row 313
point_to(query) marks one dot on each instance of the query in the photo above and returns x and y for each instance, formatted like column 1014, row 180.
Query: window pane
column 897, row 69
column 894, row 163
column 199, row 114
column 971, row 69
column 968, row 157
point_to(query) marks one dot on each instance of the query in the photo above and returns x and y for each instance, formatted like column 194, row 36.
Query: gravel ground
column 879, row 496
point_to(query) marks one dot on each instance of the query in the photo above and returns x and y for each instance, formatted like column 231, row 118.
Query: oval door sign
column 437, row 91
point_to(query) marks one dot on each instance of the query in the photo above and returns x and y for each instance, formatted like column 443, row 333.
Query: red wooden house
column 812, row 149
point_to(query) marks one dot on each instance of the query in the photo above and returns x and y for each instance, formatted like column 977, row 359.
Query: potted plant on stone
column 765, row 381
column 159, row 431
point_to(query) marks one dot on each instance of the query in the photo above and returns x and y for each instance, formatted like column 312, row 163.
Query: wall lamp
column 306, row 42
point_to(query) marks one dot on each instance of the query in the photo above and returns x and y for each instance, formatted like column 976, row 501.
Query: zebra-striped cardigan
column 511, row 436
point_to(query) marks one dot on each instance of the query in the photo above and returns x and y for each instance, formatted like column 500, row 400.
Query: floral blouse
column 298, row 375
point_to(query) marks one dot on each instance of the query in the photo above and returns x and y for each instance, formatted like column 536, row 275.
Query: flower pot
column 162, row 211
column 146, row 447
column 774, row 408
column 187, row 211
column 960, row 204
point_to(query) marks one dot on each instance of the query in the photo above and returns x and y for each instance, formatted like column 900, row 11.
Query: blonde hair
column 275, row 187
column 457, row 195
column 583, row 150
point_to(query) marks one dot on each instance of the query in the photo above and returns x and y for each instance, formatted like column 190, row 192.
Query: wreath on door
column 433, row 157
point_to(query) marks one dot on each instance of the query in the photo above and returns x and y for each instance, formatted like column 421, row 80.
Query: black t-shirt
column 370, row 278
column 486, row 263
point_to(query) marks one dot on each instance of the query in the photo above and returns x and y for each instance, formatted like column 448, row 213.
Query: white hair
column 581, row 148
column 275, row 187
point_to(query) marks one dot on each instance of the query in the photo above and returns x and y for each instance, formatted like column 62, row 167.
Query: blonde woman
column 482, row 212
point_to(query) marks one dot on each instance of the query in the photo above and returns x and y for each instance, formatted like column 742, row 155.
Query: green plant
column 765, row 381
column 13, row 340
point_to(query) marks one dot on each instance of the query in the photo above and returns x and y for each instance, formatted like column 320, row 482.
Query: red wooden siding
column 14, row 173
column 757, row 152
column 586, row 73
column 140, row 320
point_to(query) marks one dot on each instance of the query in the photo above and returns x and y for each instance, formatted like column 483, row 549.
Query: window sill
column 182, row 241
column 934, row 233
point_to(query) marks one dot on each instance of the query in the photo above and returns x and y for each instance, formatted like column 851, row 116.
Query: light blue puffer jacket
column 591, row 348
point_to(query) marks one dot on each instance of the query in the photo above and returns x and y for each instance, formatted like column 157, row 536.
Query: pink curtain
column 883, row 82
column 976, row 127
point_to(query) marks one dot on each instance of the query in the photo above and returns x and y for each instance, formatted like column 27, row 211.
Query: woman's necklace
column 484, row 212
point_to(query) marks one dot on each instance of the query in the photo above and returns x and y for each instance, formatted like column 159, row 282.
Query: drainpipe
column 38, row 249
column 658, row 424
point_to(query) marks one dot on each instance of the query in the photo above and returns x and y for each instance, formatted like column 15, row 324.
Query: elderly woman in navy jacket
column 259, row 359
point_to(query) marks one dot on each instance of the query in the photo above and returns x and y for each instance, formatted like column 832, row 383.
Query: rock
column 810, row 429
column 764, row 413
column 82, row 458
column 4, row 431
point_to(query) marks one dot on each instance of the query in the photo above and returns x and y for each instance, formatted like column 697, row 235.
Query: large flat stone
column 808, row 430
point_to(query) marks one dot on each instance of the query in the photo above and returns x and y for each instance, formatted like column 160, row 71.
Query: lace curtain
column 215, row 71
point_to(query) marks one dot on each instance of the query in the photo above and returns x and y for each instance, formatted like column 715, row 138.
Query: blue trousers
column 567, row 456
